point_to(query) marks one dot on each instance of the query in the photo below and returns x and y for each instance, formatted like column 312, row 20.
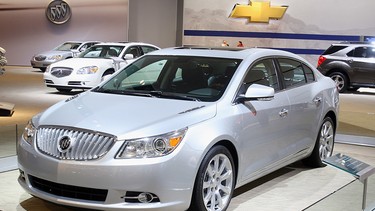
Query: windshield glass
column 102, row 51
column 68, row 46
column 177, row 77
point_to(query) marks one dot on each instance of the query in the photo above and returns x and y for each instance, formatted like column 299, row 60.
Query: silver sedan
column 180, row 129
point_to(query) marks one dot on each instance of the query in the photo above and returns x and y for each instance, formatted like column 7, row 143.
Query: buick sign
column 64, row 144
column 58, row 12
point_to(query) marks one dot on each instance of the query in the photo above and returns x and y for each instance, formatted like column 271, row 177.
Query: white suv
column 91, row 66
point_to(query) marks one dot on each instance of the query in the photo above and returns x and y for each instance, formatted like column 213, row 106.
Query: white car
column 180, row 128
column 91, row 66
column 66, row 50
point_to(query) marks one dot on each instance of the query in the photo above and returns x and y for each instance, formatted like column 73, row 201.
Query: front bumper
column 72, row 81
column 40, row 64
column 164, row 177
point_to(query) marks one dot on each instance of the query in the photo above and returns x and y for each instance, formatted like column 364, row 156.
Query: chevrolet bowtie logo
column 258, row 11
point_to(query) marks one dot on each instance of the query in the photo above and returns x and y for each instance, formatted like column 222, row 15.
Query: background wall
column 307, row 27
column 25, row 29
column 157, row 21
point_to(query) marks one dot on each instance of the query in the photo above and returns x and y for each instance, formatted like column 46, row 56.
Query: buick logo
column 58, row 12
column 65, row 143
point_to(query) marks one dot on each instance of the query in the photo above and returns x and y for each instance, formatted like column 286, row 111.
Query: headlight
column 48, row 69
column 29, row 132
column 88, row 70
column 149, row 147
column 55, row 57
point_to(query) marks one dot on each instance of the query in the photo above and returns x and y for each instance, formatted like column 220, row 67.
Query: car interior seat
column 192, row 79
column 256, row 76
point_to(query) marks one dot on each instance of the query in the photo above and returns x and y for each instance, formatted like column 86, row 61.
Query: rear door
column 363, row 65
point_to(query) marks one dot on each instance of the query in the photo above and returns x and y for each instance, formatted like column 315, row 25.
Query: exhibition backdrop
column 307, row 27
column 25, row 29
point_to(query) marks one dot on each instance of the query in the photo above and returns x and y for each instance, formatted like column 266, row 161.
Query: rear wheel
column 43, row 69
column 215, row 181
column 342, row 82
column 324, row 144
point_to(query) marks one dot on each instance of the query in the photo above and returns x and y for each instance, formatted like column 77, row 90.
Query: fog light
column 145, row 197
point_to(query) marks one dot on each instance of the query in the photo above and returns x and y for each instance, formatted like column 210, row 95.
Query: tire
column 323, row 145
column 341, row 80
column 43, row 69
column 215, row 181
column 63, row 90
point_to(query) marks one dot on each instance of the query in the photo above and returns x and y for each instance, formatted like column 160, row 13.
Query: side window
column 293, row 72
column 133, row 50
column 147, row 49
column 309, row 74
column 262, row 72
column 360, row 52
column 370, row 52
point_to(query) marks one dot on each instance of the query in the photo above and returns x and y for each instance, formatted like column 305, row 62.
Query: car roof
column 222, row 52
column 125, row 44
column 355, row 43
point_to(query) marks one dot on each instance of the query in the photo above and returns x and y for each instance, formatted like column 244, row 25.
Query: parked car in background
column 66, row 50
column 180, row 128
column 350, row 64
column 3, row 60
column 91, row 66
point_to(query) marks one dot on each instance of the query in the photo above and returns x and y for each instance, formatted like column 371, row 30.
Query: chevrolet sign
column 258, row 11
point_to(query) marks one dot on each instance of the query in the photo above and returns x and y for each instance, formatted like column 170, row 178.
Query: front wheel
column 324, row 144
column 215, row 181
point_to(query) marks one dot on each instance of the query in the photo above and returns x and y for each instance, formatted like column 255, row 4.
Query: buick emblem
column 58, row 12
column 65, row 143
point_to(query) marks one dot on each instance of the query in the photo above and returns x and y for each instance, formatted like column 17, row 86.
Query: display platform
column 6, row 109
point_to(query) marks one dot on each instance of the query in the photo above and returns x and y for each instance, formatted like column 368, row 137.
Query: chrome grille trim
column 86, row 145
column 60, row 72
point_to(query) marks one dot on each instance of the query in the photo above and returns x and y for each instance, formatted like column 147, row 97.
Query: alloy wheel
column 218, row 183
column 326, row 140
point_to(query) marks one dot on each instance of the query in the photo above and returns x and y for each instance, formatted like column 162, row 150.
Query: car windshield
column 102, row 51
column 175, row 77
column 68, row 46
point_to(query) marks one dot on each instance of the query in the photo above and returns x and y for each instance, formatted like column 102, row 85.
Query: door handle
column 350, row 60
column 317, row 101
column 283, row 113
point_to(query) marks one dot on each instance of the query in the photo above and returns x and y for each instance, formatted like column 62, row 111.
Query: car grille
column 60, row 72
column 68, row 190
column 71, row 144
column 40, row 58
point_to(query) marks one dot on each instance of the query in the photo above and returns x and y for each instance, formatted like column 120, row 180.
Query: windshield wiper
column 123, row 92
column 172, row 95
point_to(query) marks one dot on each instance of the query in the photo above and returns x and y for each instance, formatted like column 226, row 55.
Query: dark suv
column 350, row 64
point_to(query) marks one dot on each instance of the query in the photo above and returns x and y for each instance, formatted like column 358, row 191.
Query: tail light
column 321, row 60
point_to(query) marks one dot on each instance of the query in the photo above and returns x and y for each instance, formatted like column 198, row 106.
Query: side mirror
column 75, row 52
column 128, row 56
column 257, row 92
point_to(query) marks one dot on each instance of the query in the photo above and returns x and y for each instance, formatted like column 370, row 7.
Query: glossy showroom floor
column 293, row 188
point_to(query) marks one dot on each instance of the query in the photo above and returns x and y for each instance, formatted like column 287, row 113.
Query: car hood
column 126, row 116
column 77, row 63
column 51, row 53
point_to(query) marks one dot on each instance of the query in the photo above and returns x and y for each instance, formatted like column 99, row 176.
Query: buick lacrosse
column 180, row 129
